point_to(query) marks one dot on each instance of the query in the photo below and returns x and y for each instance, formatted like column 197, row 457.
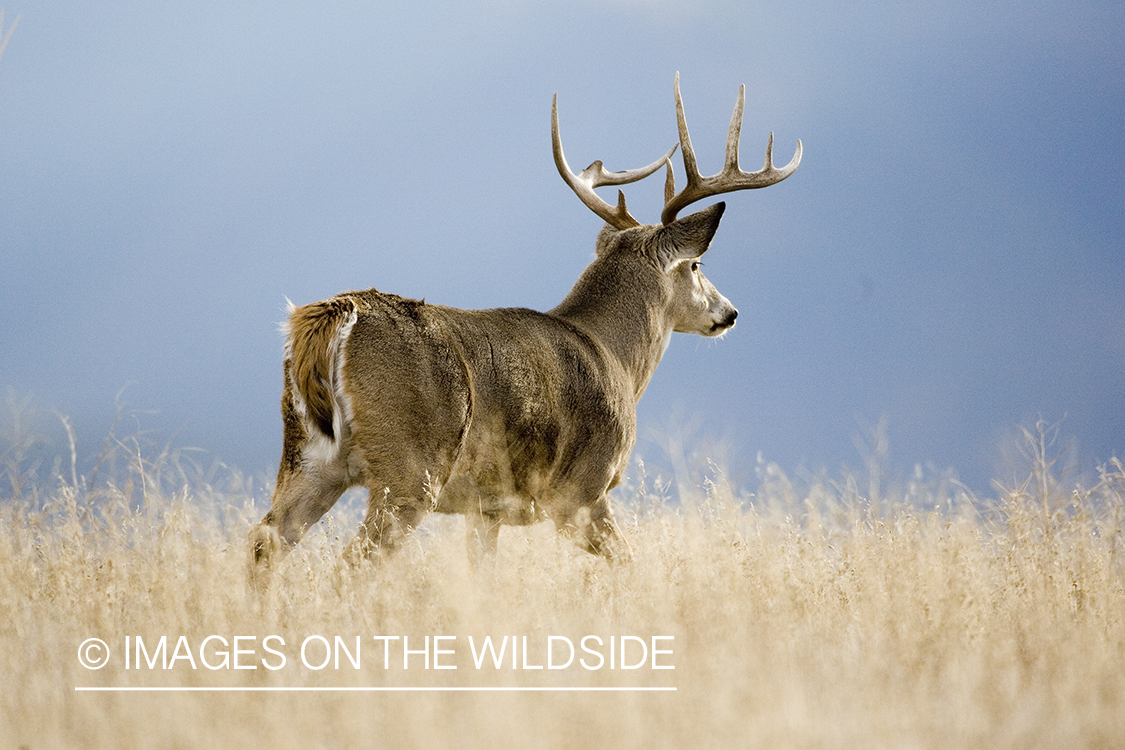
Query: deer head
column 662, row 259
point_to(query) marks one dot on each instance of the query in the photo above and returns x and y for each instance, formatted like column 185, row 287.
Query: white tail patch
column 320, row 449
column 341, row 403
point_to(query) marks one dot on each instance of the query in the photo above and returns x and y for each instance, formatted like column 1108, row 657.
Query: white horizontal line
column 284, row 689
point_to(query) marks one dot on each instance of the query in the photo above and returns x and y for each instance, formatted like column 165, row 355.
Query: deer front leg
column 482, row 531
column 593, row 528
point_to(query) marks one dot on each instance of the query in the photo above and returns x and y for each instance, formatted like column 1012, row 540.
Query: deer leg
column 482, row 534
column 300, row 500
column 390, row 517
column 593, row 528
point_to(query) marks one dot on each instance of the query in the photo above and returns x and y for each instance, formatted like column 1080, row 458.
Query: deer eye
column 695, row 266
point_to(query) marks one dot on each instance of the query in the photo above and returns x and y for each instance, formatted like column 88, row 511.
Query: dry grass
column 803, row 616
column 6, row 34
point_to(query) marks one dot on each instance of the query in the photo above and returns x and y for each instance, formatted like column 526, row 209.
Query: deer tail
column 314, row 350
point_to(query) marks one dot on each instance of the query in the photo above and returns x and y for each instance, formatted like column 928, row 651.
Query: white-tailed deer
column 506, row 415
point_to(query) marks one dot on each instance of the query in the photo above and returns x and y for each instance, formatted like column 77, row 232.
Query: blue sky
column 949, row 255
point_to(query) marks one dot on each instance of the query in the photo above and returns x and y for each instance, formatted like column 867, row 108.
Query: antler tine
column 731, row 177
column 596, row 175
column 735, row 133
column 691, row 168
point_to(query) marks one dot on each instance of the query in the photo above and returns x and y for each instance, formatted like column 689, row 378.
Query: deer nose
column 726, row 322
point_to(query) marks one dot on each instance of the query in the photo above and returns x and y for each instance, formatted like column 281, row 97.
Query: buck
column 507, row 416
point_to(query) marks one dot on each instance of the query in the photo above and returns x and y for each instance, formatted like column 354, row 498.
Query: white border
column 372, row 689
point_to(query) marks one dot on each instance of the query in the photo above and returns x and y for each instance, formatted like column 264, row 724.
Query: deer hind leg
column 390, row 517
column 405, row 469
column 302, row 497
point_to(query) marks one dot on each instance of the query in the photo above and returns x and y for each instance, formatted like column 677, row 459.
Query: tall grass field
column 821, row 612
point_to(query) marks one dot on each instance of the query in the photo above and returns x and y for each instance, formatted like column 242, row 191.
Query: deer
column 506, row 416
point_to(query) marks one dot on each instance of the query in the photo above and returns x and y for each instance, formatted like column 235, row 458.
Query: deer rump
column 508, row 414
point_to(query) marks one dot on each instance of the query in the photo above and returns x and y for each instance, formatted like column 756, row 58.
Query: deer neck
column 626, row 312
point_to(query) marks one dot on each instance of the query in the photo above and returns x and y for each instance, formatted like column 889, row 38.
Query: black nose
column 726, row 322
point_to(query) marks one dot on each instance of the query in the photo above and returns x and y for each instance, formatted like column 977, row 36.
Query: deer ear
column 690, row 236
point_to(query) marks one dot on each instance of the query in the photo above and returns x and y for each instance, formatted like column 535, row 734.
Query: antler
column 595, row 175
column 731, row 177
